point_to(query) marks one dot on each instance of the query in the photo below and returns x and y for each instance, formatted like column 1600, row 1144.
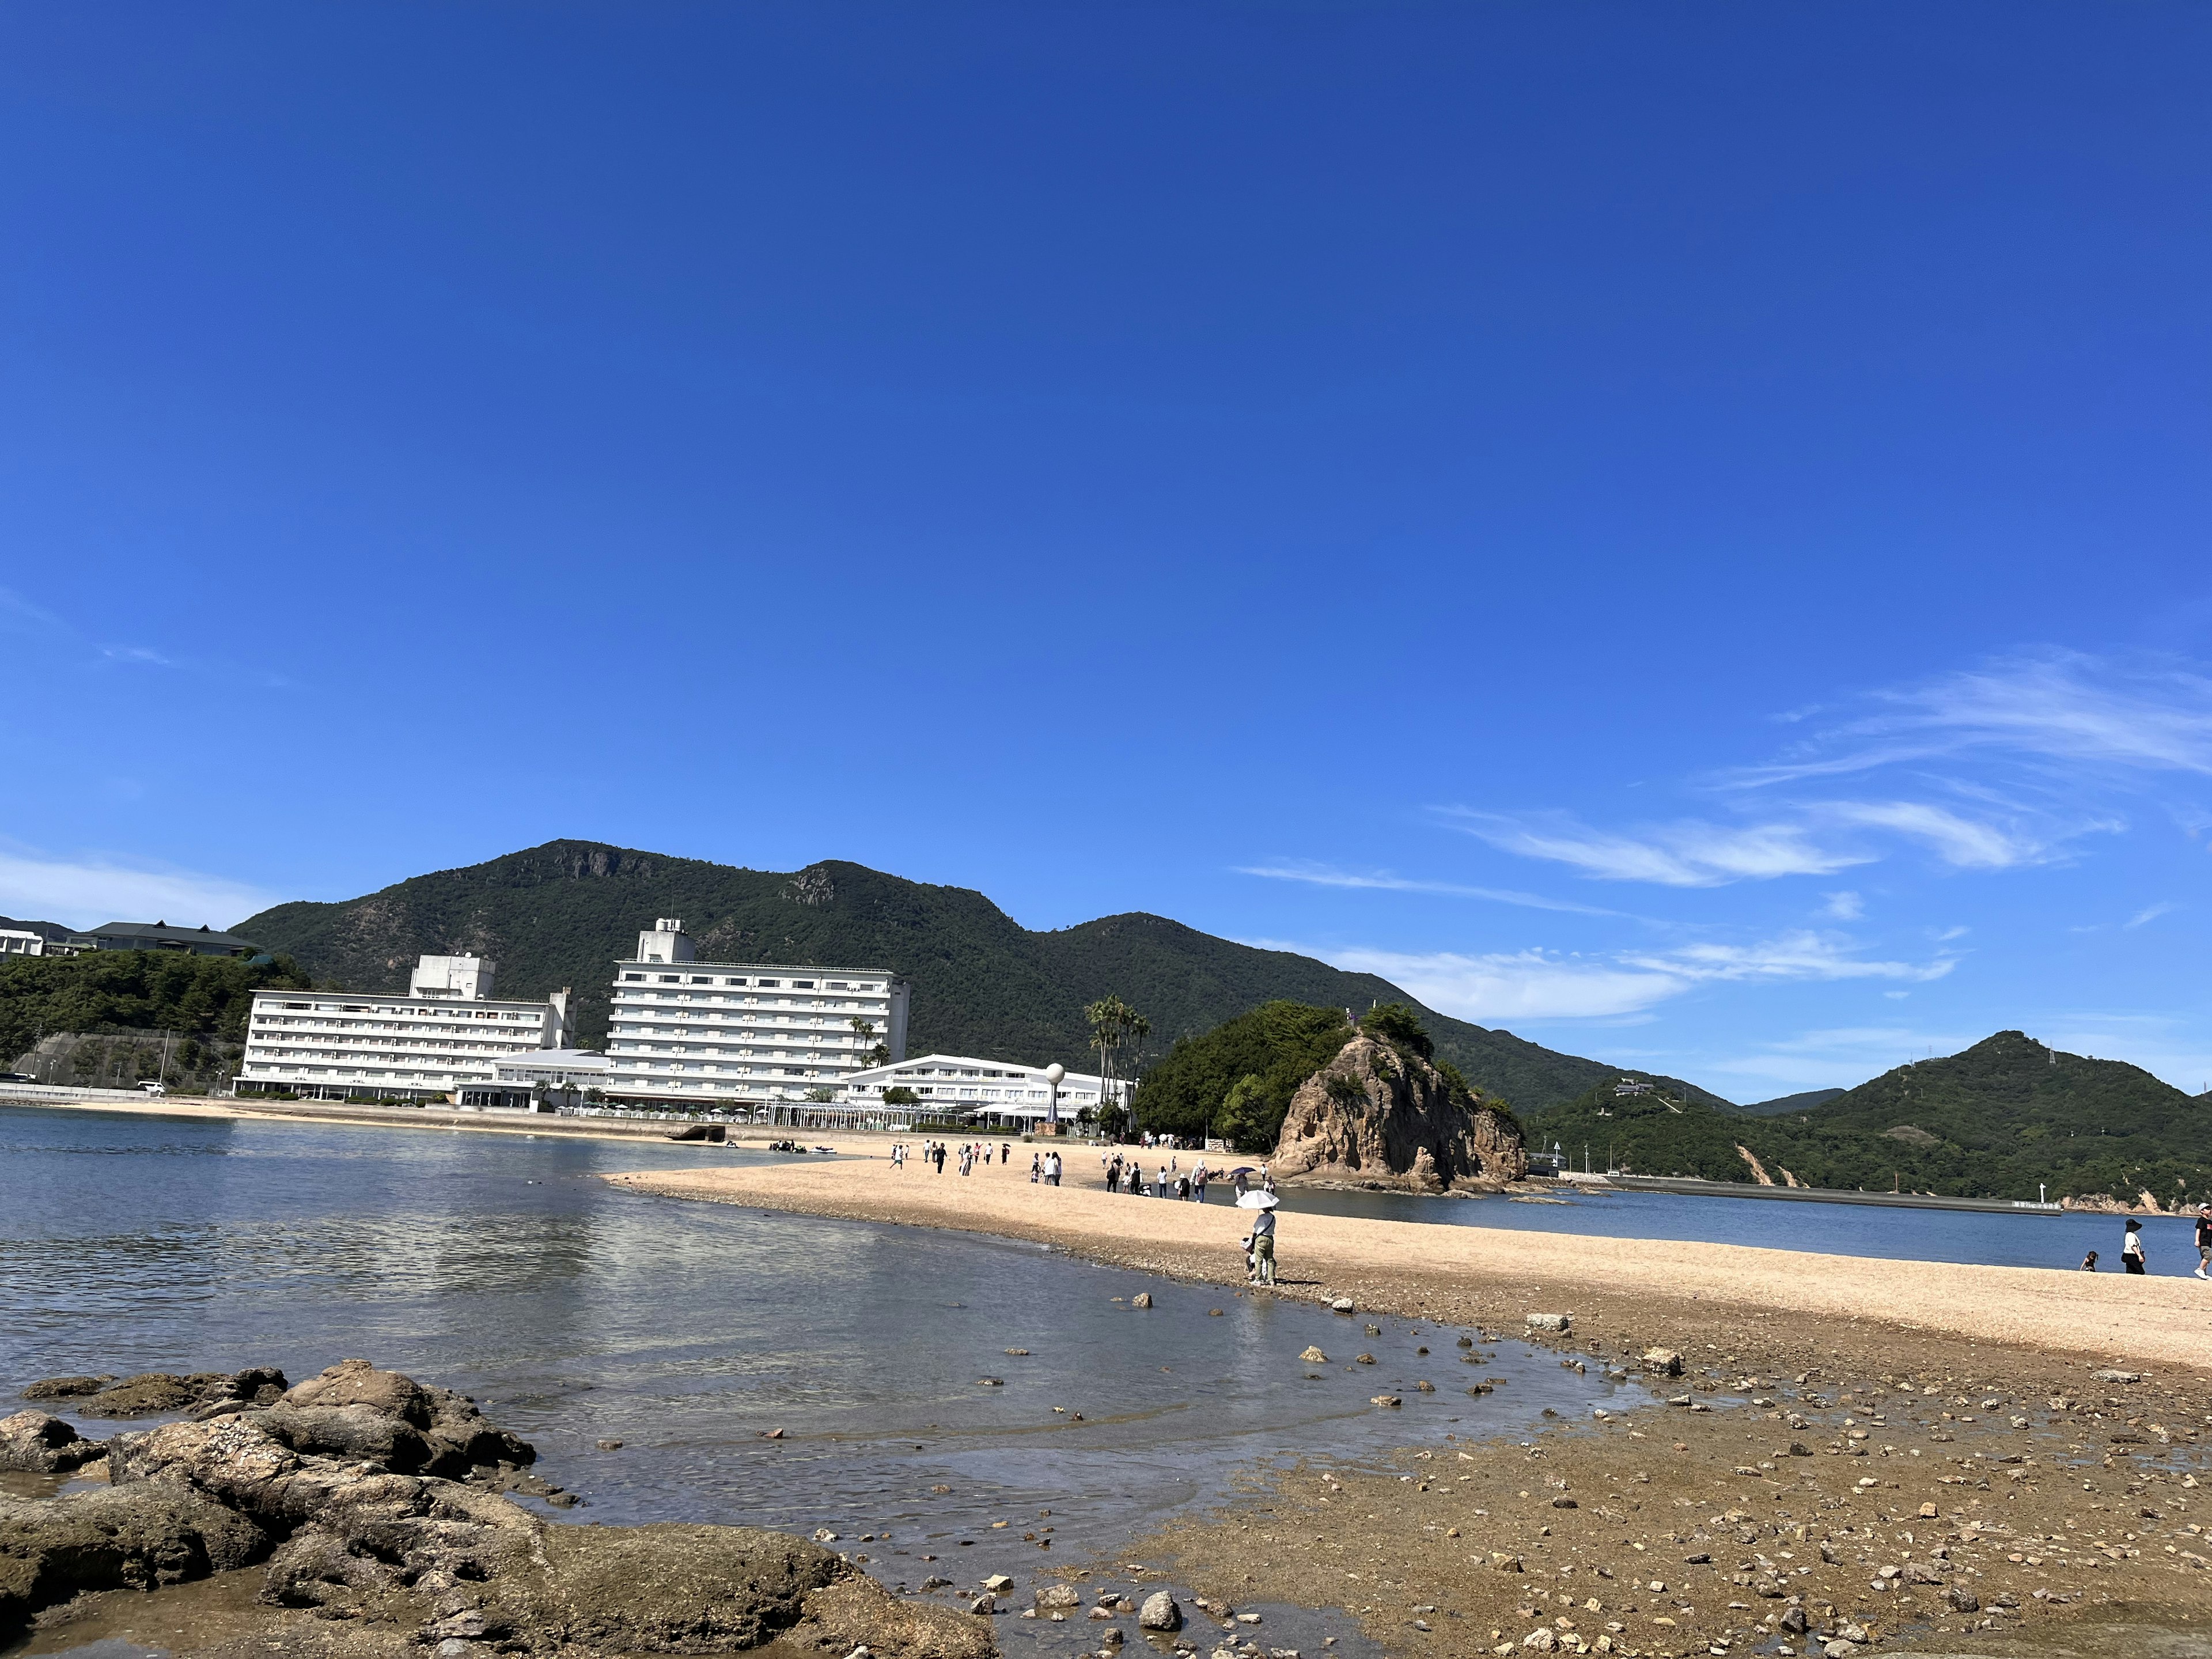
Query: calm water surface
column 1965, row 1236
column 502, row 1265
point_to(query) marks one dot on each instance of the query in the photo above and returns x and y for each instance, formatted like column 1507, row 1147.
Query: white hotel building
column 995, row 1092
column 728, row 1034
column 445, row 1033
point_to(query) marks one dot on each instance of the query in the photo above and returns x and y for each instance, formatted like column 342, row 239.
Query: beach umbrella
column 1256, row 1201
column 1245, row 1169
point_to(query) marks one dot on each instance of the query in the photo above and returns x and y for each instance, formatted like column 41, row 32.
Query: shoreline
column 1615, row 1288
column 1876, row 1454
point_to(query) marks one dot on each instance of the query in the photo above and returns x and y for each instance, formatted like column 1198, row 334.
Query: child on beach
column 2089, row 1262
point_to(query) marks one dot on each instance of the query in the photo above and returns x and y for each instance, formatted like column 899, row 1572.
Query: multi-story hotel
column 685, row 1032
column 447, row 1031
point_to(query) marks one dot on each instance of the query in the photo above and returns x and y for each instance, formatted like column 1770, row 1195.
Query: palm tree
column 1114, row 1023
column 874, row 1053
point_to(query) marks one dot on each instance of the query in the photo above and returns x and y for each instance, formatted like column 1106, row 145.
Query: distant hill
column 1997, row 1120
column 43, row 929
column 562, row 914
column 1802, row 1103
column 1674, row 1130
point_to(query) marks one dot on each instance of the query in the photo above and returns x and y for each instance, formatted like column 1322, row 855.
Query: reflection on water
column 502, row 1265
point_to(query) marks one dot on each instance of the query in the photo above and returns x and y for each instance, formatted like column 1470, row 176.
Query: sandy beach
column 1614, row 1287
column 1857, row 1454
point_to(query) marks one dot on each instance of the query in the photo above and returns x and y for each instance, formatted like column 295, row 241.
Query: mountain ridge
column 2007, row 1117
column 561, row 913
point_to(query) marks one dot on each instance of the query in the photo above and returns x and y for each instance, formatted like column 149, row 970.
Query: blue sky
column 1678, row 530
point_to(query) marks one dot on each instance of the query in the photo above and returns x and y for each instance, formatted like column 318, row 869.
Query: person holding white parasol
column 1260, row 1243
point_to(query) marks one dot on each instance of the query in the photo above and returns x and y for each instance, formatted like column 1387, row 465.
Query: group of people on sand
column 965, row 1157
column 2131, row 1249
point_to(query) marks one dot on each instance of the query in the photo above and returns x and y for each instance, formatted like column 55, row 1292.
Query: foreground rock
column 32, row 1443
column 152, row 1394
column 369, row 1497
column 1380, row 1115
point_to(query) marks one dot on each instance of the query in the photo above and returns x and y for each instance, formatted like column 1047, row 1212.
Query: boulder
column 150, row 1391
column 1559, row 1322
column 1313, row 1357
column 1381, row 1115
column 1160, row 1613
column 1662, row 1361
column 1049, row 1598
column 156, row 1393
column 65, row 1388
column 310, row 1486
column 357, row 1382
column 53, row 1549
column 32, row 1443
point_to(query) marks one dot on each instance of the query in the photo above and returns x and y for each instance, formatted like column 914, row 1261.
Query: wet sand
column 1880, row 1442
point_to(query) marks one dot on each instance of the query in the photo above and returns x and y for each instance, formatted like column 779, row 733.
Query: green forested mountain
column 1674, row 1130
column 130, row 990
column 562, row 914
column 1799, row 1102
column 1994, row 1121
column 1998, row 1119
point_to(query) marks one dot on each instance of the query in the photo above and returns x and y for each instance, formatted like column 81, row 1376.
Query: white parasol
column 1257, row 1200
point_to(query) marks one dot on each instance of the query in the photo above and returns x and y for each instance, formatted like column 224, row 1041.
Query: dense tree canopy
column 131, row 990
column 1260, row 1057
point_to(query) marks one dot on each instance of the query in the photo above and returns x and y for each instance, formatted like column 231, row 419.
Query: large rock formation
column 372, row 1500
column 1377, row 1115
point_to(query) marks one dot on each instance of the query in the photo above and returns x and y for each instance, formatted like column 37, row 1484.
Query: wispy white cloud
column 1803, row 955
column 1687, row 853
column 1324, row 875
column 1961, row 842
column 1817, row 839
column 19, row 615
column 1526, row 985
column 85, row 892
column 1843, row 906
column 2150, row 913
column 1522, row 985
column 2134, row 715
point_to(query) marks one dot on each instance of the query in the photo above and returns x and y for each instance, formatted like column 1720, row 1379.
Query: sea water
column 578, row 1312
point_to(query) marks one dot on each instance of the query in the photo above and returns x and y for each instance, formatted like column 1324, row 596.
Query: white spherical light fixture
column 1054, row 1073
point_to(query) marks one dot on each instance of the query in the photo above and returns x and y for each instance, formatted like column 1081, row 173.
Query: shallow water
column 579, row 1312
column 1976, row 1237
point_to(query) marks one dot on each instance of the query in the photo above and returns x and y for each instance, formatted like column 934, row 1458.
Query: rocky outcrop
column 152, row 1394
column 32, row 1442
column 372, row 1498
column 1378, row 1116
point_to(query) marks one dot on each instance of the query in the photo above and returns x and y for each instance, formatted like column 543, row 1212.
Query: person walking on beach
column 1005, row 1152
column 1263, row 1248
column 2204, row 1243
column 940, row 1157
column 2089, row 1262
column 2131, row 1253
column 1198, row 1184
column 1052, row 1168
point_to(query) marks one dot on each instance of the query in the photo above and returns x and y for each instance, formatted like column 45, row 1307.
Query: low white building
column 542, row 1080
column 18, row 942
column 742, row 1035
column 991, row 1092
column 445, row 1032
